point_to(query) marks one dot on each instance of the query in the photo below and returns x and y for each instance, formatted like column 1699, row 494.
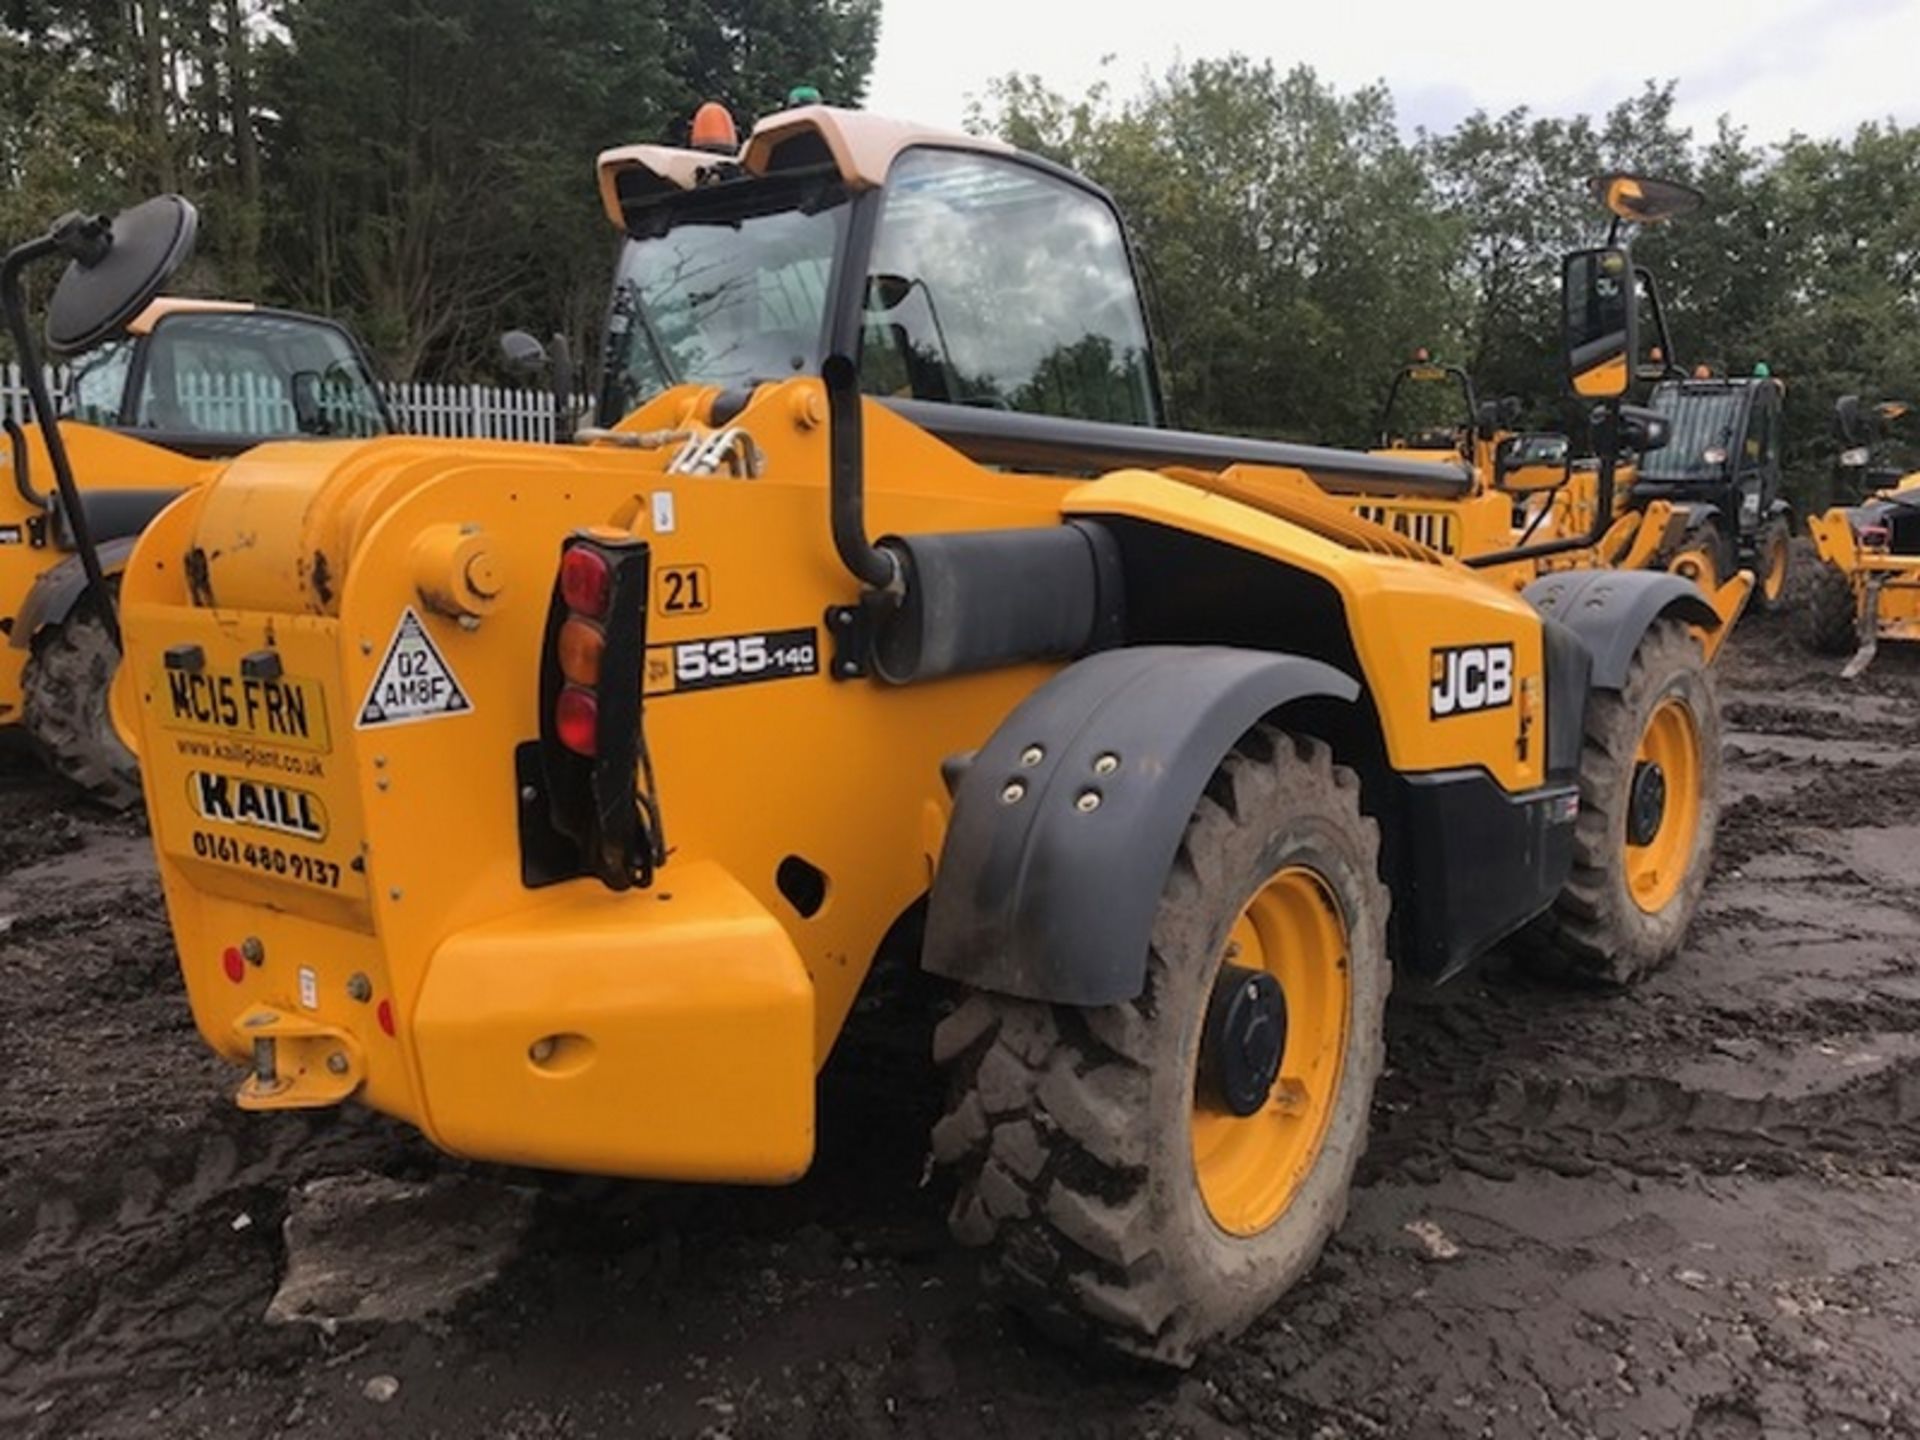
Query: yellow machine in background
column 189, row 385
column 1866, row 584
column 560, row 800
column 1513, row 491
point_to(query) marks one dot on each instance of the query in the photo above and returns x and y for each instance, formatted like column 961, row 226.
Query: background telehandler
column 1521, row 505
column 1721, row 469
column 1863, row 584
column 188, row 385
column 559, row 799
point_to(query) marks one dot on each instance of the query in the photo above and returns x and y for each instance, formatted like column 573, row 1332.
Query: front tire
column 64, row 707
column 1827, row 621
column 1096, row 1152
column 1649, row 804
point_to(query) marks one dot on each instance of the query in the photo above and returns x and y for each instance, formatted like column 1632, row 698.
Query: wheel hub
column 1244, row 1038
column 1647, row 804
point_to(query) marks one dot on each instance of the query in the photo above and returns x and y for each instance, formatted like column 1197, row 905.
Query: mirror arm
column 13, row 303
column 1667, row 356
column 1607, row 425
column 23, row 466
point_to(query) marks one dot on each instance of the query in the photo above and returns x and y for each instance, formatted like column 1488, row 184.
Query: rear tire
column 1625, row 908
column 1774, row 556
column 1827, row 620
column 1084, row 1157
column 64, row 708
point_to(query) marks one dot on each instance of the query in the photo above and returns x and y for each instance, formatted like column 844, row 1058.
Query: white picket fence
column 248, row 405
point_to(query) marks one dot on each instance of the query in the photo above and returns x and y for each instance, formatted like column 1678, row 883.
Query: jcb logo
column 1471, row 677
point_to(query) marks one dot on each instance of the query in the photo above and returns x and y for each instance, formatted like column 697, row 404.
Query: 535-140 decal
column 732, row 660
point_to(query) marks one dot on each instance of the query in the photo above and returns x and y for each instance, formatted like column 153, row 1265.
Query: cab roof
column 165, row 305
column 861, row 146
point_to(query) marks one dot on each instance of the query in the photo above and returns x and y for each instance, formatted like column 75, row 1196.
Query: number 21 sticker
column 682, row 590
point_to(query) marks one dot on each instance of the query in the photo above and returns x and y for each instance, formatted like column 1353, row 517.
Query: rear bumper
column 665, row 1034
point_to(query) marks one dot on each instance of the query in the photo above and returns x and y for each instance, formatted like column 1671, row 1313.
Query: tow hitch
column 298, row 1064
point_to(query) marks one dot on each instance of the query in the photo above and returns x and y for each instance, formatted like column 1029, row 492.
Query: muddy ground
column 1692, row 1210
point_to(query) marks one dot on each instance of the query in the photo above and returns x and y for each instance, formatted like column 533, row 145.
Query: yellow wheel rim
column 1250, row 1167
column 1776, row 577
column 1698, row 566
column 1660, row 837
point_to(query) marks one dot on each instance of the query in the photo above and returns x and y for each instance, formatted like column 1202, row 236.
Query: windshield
column 1703, row 435
column 255, row 375
column 730, row 289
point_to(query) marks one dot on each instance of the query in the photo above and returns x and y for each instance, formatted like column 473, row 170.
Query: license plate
column 286, row 711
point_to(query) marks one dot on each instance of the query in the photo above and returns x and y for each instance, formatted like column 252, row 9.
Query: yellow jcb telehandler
column 1864, row 586
column 559, row 799
column 1520, row 505
column 184, row 386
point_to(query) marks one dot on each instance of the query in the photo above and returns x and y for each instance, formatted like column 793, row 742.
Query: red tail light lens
column 234, row 964
column 586, row 582
column 576, row 720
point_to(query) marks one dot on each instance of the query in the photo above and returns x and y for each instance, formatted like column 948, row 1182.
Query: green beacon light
column 1762, row 370
column 804, row 95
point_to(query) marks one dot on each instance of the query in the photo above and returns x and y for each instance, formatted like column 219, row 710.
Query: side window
column 97, row 384
column 996, row 284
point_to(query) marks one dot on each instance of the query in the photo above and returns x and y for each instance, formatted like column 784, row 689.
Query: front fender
column 1068, row 819
column 1610, row 610
column 57, row 589
column 1833, row 538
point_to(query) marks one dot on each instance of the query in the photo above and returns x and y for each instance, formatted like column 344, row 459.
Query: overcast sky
column 1818, row 66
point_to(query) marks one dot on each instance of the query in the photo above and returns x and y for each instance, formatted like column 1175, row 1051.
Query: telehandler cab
column 156, row 407
column 558, row 799
column 1865, row 583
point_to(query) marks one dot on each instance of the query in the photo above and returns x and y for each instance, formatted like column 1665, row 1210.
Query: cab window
column 996, row 284
column 256, row 376
column 97, row 384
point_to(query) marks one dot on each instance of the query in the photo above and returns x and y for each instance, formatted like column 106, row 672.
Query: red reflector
column 586, row 580
column 234, row 963
column 576, row 718
column 384, row 1013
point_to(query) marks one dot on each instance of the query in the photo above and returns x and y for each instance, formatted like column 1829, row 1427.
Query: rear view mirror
column 1602, row 328
column 522, row 354
column 887, row 292
column 1530, row 462
column 115, row 269
column 303, row 389
column 1642, row 199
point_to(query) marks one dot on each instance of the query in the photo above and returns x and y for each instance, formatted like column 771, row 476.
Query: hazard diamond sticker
column 414, row 682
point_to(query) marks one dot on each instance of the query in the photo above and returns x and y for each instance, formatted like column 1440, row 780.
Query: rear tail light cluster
column 592, row 753
column 1874, row 537
column 586, row 593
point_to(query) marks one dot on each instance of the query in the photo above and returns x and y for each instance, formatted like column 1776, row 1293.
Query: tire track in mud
column 159, row 1259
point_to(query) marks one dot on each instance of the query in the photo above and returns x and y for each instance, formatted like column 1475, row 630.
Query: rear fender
column 57, row 589
column 1045, row 893
column 1610, row 610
